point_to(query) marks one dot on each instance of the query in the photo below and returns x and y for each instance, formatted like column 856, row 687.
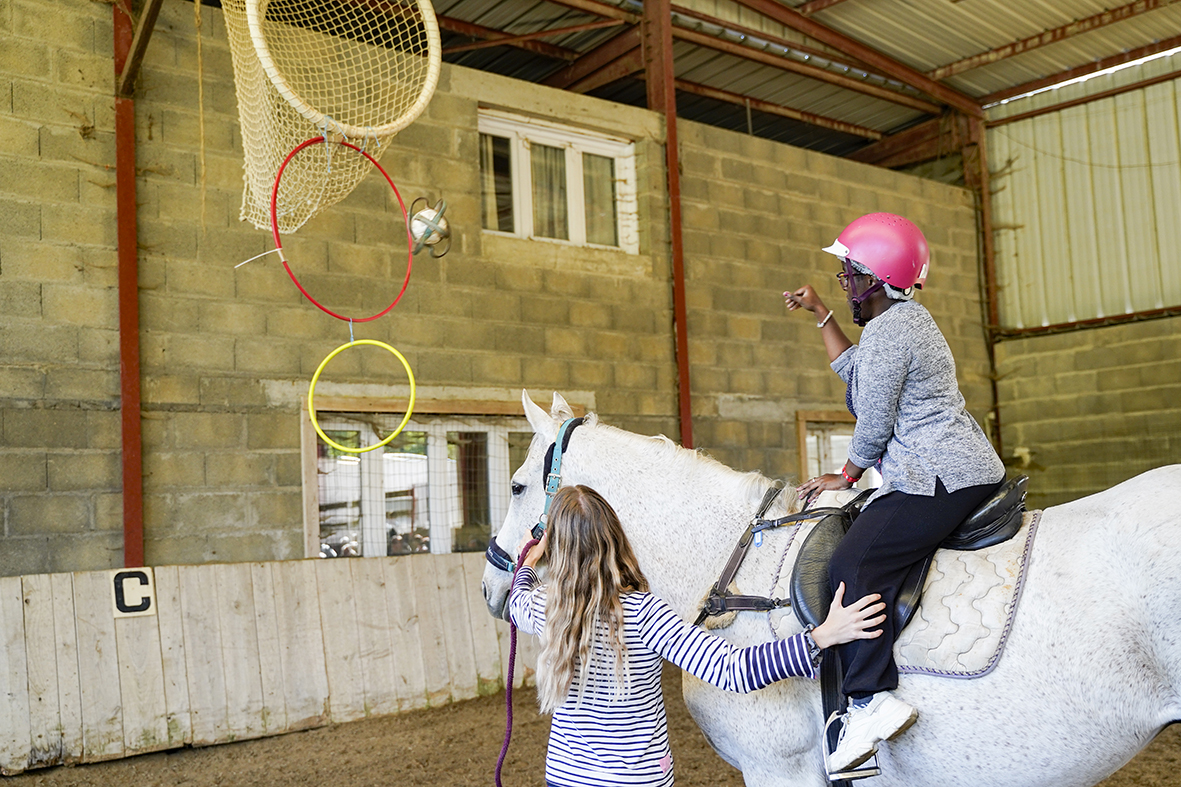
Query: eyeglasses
column 843, row 278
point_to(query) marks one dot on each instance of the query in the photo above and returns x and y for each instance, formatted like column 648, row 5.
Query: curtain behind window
column 598, row 174
column 549, row 192
column 496, row 183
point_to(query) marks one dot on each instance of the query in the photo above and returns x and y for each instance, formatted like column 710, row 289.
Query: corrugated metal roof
column 923, row 34
column 927, row 34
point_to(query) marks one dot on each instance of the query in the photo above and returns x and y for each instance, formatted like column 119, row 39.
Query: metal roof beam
column 794, row 66
column 622, row 66
column 812, row 6
column 749, row 32
column 600, row 9
column 595, row 59
column 472, row 30
column 1048, row 37
column 520, row 39
column 776, row 109
column 875, row 59
column 824, row 75
column 1087, row 99
column 1163, row 45
column 139, row 45
column 936, row 137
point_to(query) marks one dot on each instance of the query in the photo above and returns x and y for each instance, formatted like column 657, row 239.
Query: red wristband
column 852, row 481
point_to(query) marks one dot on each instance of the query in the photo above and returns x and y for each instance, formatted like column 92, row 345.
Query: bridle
column 552, row 480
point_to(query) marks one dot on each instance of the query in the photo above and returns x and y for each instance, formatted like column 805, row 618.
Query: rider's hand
column 845, row 624
column 536, row 551
column 805, row 298
column 826, row 482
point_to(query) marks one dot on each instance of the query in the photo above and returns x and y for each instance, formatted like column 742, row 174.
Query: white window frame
column 522, row 132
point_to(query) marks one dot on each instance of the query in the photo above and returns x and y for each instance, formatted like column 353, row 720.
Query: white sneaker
column 884, row 717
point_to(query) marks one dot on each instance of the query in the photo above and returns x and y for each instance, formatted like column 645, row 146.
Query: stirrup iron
column 862, row 771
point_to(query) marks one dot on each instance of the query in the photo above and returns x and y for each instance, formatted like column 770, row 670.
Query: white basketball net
column 361, row 70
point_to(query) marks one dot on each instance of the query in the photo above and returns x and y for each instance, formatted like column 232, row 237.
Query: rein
column 720, row 601
column 502, row 560
column 508, row 683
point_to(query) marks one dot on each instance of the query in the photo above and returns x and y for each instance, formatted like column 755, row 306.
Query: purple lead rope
column 508, row 687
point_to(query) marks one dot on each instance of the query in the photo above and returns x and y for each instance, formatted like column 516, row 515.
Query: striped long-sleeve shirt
column 611, row 741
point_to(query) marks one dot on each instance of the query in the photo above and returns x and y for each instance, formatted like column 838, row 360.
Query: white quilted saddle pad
column 969, row 599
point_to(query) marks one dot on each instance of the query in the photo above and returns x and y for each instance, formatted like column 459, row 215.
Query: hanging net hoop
column 279, row 240
column 316, row 378
column 355, row 70
column 374, row 42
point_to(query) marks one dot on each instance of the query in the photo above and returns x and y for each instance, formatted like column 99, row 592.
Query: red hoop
column 279, row 241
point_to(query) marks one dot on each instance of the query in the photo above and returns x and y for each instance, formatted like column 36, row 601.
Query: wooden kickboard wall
column 240, row 650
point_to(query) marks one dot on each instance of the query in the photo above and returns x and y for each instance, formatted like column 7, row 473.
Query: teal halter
column 553, row 479
column 495, row 554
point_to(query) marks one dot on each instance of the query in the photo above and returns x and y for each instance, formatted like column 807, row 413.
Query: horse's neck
column 683, row 518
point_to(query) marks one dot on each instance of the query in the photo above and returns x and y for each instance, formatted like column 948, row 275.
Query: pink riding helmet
column 889, row 245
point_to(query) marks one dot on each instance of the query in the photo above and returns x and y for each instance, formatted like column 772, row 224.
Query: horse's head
column 527, row 501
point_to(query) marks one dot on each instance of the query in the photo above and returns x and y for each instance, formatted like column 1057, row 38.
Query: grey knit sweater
column 910, row 412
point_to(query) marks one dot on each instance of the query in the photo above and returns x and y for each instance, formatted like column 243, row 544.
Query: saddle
column 996, row 520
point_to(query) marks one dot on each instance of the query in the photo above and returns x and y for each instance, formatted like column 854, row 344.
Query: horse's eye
column 518, row 489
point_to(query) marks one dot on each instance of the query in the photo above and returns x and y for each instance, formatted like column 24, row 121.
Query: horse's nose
column 484, row 588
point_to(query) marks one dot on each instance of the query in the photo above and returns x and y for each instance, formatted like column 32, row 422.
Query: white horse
column 1090, row 674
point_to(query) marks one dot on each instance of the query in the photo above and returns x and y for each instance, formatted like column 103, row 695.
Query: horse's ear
column 542, row 424
column 560, row 410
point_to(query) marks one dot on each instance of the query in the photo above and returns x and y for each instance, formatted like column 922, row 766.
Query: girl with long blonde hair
column 604, row 637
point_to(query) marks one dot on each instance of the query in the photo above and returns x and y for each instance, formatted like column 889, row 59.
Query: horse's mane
column 661, row 451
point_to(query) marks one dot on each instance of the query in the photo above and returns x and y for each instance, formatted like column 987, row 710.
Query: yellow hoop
column 312, row 396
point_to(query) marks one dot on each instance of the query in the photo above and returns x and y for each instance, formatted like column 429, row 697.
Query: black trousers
column 891, row 537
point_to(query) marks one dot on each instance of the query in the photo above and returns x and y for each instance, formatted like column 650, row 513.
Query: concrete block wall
column 222, row 473
column 223, row 470
column 227, row 352
column 1083, row 411
column 59, row 368
column 757, row 214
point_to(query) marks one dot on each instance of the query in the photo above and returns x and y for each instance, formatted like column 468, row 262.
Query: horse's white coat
column 1089, row 676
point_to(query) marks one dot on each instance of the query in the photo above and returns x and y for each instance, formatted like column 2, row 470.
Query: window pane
column 549, row 192
column 468, row 455
column 496, row 183
column 598, row 174
column 339, row 474
column 407, row 498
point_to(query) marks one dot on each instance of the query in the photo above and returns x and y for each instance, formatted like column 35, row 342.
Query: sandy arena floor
column 455, row 746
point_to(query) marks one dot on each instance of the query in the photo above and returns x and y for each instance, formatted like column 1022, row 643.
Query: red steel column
column 128, row 276
column 977, row 175
column 662, row 97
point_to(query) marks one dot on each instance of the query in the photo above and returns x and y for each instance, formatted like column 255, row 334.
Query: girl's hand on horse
column 536, row 551
column 823, row 483
column 845, row 624
column 805, row 298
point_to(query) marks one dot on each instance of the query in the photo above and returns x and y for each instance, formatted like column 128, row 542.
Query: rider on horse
column 936, row 464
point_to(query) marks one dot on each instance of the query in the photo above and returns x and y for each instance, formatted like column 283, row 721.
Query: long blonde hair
column 591, row 564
